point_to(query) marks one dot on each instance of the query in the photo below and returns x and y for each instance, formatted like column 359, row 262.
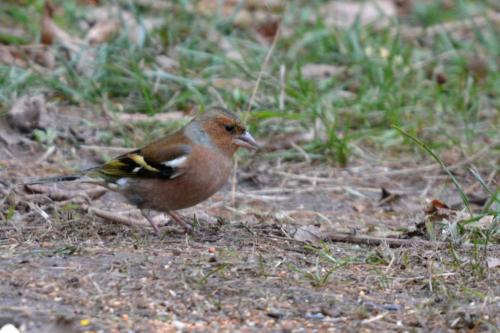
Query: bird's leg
column 146, row 215
column 177, row 219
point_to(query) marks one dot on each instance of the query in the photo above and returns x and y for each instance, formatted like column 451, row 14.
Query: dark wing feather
column 141, row 163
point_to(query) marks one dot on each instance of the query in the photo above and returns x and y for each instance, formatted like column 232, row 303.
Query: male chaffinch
column 175, row 172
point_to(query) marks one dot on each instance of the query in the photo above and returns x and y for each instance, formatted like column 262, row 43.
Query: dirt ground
column 259, row 264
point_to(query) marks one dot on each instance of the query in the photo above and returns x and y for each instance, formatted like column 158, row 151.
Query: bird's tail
column 90, row 176
column 54, row 179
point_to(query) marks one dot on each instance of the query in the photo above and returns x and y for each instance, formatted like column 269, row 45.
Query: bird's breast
column 203, row 174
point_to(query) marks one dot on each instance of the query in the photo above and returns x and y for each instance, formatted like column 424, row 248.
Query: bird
column 177, row 171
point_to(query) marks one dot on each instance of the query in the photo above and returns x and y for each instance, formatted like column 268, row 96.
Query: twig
column 118, row 150
column 46, row 155
column 159, row 117
column 422, row 277
column 282, row 87
column 118, row 219
column 262, row 68
column 372, row 319
column 301, row 151
column 219, row 98
column 391, row 242
column 61, row 195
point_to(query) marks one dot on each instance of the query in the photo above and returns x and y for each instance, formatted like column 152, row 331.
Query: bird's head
column 225, row 130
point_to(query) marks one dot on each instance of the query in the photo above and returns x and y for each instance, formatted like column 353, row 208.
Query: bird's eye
column 229, row 128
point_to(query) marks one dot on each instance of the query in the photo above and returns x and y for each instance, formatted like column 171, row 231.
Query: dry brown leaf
column 478, row 66
column 451, row 156
column 404, row 7
column 12, row 57
column 136, row 30
column 484, row 223
column 23, row 55
column 345, row 14
column 102, row 31
column 51, row 33
column 268, row 29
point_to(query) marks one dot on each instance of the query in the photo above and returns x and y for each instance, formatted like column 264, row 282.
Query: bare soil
column 258, row 264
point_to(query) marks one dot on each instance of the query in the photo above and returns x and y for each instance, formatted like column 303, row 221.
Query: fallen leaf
column 137, row 30
column 22, row 55
column 484, row 223
column 320, row 71
column 360, row 206
column 404, row 7
column 451, row 156
column 268, row 29
column 166, row 63
column 11, row 57
column 159, row 117
column 493, row 262
column 436, row 205
column 51, row 33
column 478, row 67
column 345, row 14
column 440, row 78
column 102, row 31
column 232, row 83
column 305, row 233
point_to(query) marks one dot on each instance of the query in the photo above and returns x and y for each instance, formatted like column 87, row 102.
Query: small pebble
column 315, row 315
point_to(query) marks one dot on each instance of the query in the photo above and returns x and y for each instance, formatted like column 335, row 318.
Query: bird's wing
column 166, row 161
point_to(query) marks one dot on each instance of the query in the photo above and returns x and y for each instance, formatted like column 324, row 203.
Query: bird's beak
column 246, row 140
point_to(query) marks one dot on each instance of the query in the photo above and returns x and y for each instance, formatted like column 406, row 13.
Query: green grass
column 391, row 80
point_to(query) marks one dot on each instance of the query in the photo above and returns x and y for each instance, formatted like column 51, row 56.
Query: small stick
column 118, row 150
column 118, row 219
column 46, row 155
column 57, row 194
column 282, row 87
column 261, row 72
column 392, row 242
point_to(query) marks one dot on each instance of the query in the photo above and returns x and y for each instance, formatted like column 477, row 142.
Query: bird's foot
column 188, row 227
column 148, row 217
